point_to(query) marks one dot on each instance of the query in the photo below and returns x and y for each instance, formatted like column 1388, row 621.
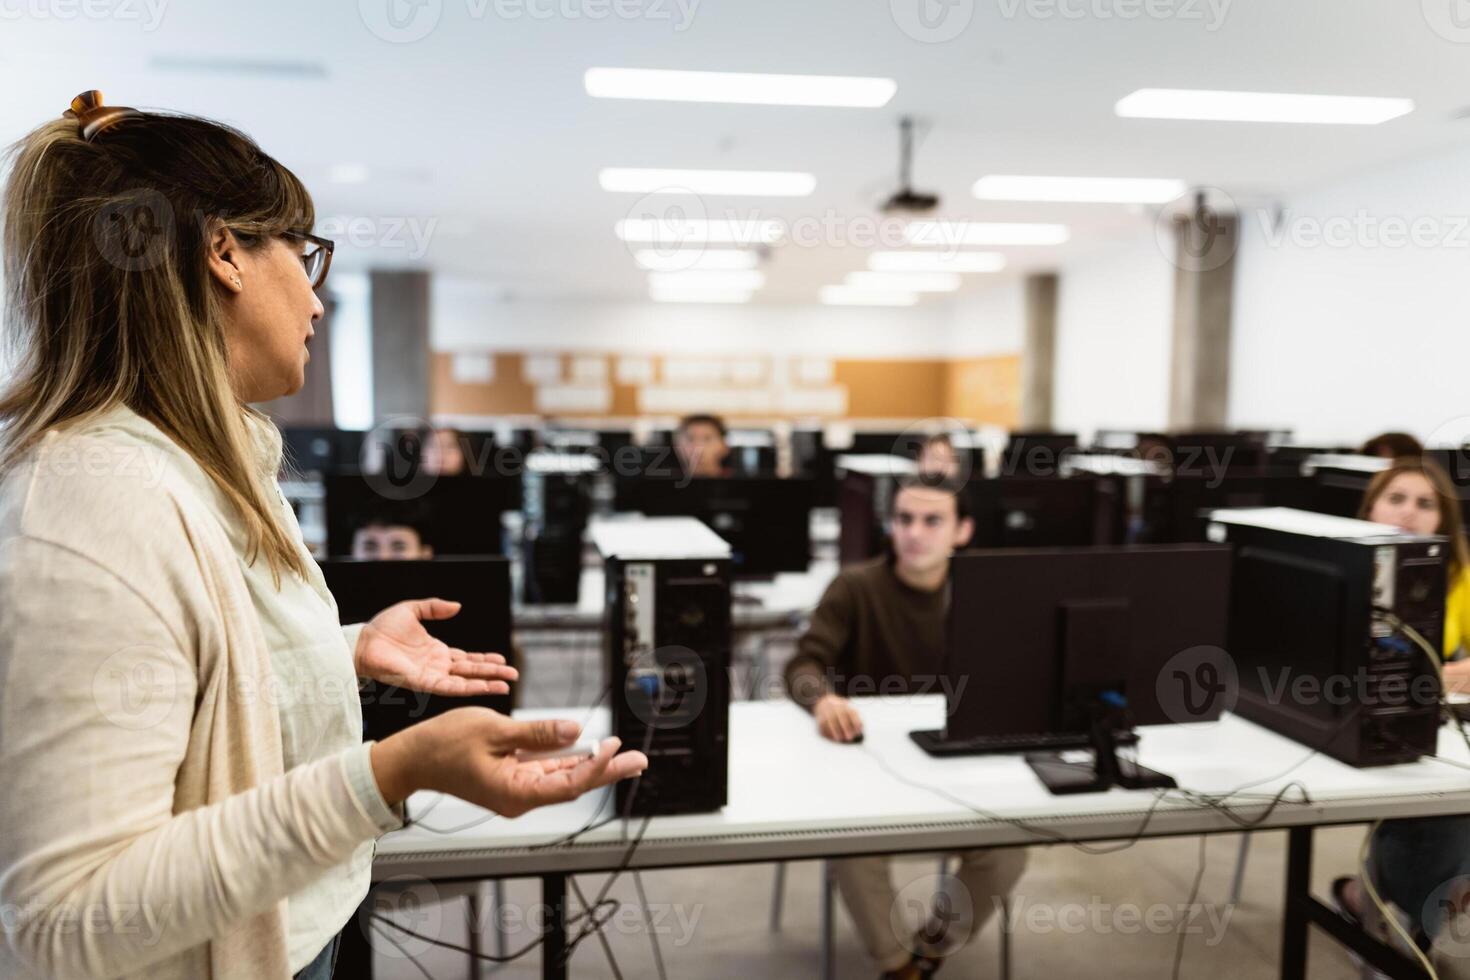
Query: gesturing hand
column 471, row 753
column 395, row 648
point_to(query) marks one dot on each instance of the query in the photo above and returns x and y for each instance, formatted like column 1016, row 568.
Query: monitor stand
column 1098, row 775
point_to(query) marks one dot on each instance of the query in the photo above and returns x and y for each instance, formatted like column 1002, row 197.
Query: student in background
column 700, row 443
column 881, row 627
column 1393, row 445
column 394, row 531
column 938, row 455
column 443, row 452
column 1422, row 866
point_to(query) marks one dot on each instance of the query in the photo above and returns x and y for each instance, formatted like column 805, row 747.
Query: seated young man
column 700, row 443
column 881, row 627
column 392, row 531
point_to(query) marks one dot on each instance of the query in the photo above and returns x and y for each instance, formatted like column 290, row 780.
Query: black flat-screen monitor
column 767, row 521
column 1044, row 512
column 460, row 514
column 1035, row 637
column 483, row 625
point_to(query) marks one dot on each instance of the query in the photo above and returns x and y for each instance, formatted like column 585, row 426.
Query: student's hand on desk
column 471, row 753
column 394, row 648
column 837, row 719
column 1457, row 677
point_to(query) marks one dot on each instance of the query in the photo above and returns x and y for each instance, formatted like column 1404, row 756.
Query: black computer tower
column 668, row 646
column 556, row 508
column 1314, row 661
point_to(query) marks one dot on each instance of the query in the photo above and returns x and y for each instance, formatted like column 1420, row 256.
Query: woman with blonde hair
column 187, row 794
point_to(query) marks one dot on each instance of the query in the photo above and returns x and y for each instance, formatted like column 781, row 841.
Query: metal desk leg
column 1238, row 882
column 778, row 896
column 499, row 890
column 554, row 943
column 476, row 921
column 829, row 966
column 1295, row 923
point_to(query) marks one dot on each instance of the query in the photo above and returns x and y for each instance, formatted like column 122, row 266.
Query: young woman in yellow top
column 1422, row 866
column 1417, row 496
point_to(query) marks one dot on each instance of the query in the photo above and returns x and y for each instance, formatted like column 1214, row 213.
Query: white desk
column 795, row 796
column 777, row 604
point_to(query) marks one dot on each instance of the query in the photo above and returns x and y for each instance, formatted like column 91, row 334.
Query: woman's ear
column 222, row 251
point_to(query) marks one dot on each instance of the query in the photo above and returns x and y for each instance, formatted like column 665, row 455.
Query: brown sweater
column 871, row 634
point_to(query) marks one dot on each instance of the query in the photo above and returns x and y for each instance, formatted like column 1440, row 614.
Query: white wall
column 991, row 321
column 1341, row 329
column 1114, row 318
column 468, row 316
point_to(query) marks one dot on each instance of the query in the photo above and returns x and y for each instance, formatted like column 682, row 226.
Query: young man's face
column 389, row 542
column 927, row 528
column 701, row 449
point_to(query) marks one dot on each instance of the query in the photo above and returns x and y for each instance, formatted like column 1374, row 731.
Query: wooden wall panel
column 985, row 390
column 893, row 389
column 981, row 390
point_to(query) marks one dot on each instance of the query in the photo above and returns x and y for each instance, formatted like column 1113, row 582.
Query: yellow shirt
column 1456, row 614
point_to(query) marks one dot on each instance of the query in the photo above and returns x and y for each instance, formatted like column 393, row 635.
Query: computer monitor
column 1078, row 643
column 1174, row 508
column 767, row 521
column 1037, row 454
column 483, row 625
column 886, row 443
column 636, row 464
column 1040, row 512
column 461, row 513
column 321, row 450
column 1210, row 454
column 812, row 458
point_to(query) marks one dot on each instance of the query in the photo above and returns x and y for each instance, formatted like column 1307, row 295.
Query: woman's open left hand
column 395, row 648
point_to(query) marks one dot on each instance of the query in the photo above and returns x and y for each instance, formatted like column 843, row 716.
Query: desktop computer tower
column 667, row 631
column 1316, row 649
column 557, row 502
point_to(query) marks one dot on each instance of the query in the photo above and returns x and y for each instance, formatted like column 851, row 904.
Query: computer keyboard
column 933, row 742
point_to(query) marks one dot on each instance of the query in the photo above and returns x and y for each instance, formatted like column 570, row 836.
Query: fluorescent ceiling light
column 1175, row 103
column 952, row 233
column 904, row 282
column 764, row 183
column 752, row 279
column 695, row 259
column 684, row 231
column 739, row 87
column 936, row 262
column 1087, row 190
column 847, row 296
column 699, row 295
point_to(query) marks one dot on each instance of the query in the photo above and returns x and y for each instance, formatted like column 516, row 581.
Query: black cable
column 658, row 953
column 612, row 961
column 406, row 954
column 1199, row 876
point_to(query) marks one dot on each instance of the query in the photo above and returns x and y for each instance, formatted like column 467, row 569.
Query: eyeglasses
column 316, row 257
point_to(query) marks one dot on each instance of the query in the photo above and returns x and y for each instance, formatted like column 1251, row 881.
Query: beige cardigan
column 146, row 826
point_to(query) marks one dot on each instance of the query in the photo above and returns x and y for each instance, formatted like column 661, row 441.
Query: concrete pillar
column 1038, row 354
column 1199, row 382
column 400, row 327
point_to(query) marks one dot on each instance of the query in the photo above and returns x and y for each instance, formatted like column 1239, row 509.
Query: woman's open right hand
column 471, row 753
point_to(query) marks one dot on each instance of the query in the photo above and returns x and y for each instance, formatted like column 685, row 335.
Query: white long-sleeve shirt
column 187, row 792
